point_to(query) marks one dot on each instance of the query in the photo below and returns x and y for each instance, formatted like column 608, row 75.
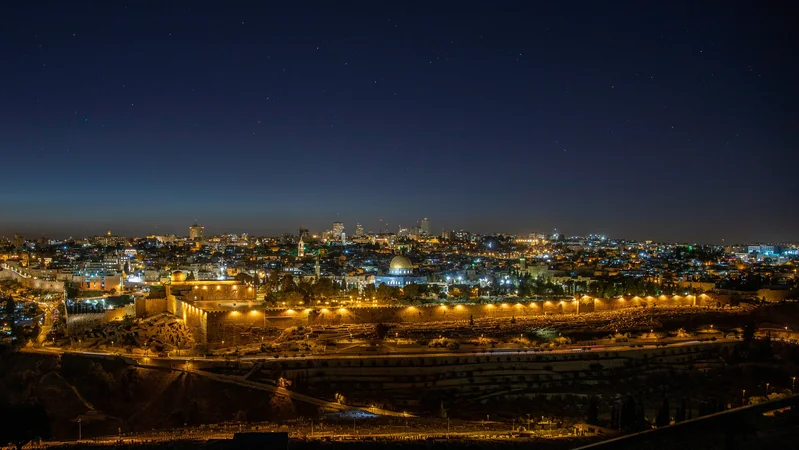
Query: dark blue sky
column 650, row 120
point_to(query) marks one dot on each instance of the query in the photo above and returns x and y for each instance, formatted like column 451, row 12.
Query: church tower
column 301, row 248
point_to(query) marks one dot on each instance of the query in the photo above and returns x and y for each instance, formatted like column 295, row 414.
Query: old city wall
column 150, row 306
column 246, row 325
column 79, row 322
column 435, row 313
column 32, row 283
column 195, row 319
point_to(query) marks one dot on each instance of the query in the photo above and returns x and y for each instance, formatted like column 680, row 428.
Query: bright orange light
column 234, row 313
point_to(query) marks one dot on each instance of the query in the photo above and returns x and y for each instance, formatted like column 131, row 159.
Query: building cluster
column 410, row 264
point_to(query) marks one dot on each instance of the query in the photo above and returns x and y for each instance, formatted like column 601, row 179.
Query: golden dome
column 178, row 276
column 401, row 262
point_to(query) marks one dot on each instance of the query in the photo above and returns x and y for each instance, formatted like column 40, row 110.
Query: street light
column 793, row 384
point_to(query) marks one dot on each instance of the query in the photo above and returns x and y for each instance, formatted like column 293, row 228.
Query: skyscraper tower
column 425, row 226
column 358, row 230
column 196, row 232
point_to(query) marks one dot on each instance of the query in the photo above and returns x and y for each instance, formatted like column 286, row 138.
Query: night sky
column 647, row 120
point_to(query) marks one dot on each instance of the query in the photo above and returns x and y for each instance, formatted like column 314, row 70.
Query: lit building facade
column 196, row 232
column 400, row 274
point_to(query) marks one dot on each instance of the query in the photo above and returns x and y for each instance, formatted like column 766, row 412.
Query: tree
column 471, row 320
column 749, row 332
column 10, row 306
column 23, row 423
column 681, row 413
column 663, row 417
column 287, row 283
column 292, row 299
column 592, row 414
column 631, row 417
column 382, row 330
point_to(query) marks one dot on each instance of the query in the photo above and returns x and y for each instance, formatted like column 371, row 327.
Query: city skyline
column 668, row 123
column 350, row 229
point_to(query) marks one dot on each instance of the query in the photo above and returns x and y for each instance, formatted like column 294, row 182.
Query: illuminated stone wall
column 195, row 319
column 245, row 325
column 32, row 283
column 150, row 306
column 77, row 323
column 210, row 290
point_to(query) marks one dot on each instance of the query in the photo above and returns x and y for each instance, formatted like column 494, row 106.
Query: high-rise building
column 304, row 233
column 196, row 232
column 19, row 241
column 338, row 231
column 359, row 230
column 424, row 227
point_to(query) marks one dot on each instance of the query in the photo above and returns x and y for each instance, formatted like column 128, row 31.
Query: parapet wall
column 80, row 322
column 31, row 282
column 150, row 306
column 245, row 325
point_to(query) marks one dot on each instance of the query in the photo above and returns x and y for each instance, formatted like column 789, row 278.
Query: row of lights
column 235, row 288
column 457, row 307
column 290, row 311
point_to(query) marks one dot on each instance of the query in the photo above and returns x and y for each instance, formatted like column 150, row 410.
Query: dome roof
column 400, row 262
column 178, row 276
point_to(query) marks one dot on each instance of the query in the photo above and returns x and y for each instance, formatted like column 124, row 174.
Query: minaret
column 300, row 248
column 316, row 268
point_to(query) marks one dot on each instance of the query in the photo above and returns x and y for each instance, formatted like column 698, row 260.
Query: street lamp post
column 80, row 431
column 767, row 385
column 743, row 397
column 793, row 385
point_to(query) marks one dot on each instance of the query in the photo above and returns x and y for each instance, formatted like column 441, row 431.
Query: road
column 369, row 354
column 363, row 431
